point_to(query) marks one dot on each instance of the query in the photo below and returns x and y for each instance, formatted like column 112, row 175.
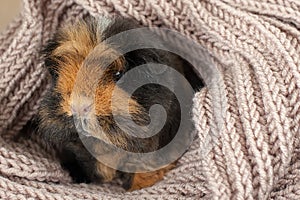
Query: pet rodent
column 78, row 44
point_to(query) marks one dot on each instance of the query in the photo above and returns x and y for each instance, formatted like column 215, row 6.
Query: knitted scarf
column 255, row 46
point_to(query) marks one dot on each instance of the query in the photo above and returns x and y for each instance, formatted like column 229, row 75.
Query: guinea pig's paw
column 126, row 180
column 105, row 173
column 76, row 172
column 143, row 180
column 69, row 162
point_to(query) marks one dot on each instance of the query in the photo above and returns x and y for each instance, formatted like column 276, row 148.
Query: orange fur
column 142, row 180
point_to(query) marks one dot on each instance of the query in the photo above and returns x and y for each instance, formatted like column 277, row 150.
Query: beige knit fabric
column 255, row 44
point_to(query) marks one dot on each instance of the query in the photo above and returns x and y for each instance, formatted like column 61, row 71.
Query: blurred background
column 8, row 10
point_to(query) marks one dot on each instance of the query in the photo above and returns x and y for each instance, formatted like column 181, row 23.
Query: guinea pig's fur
column 82, row 44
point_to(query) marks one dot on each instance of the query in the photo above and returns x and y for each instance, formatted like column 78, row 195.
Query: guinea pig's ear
column 159, row 57
column 158, row 69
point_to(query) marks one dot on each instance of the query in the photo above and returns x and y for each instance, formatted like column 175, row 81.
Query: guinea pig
column 82, row 47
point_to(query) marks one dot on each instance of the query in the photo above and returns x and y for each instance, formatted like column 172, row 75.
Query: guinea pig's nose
column 81, row 110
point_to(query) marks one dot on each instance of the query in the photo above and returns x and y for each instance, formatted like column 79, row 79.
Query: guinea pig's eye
column 117, row 75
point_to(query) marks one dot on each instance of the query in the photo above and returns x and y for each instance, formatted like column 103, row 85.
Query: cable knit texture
column 254, row 43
